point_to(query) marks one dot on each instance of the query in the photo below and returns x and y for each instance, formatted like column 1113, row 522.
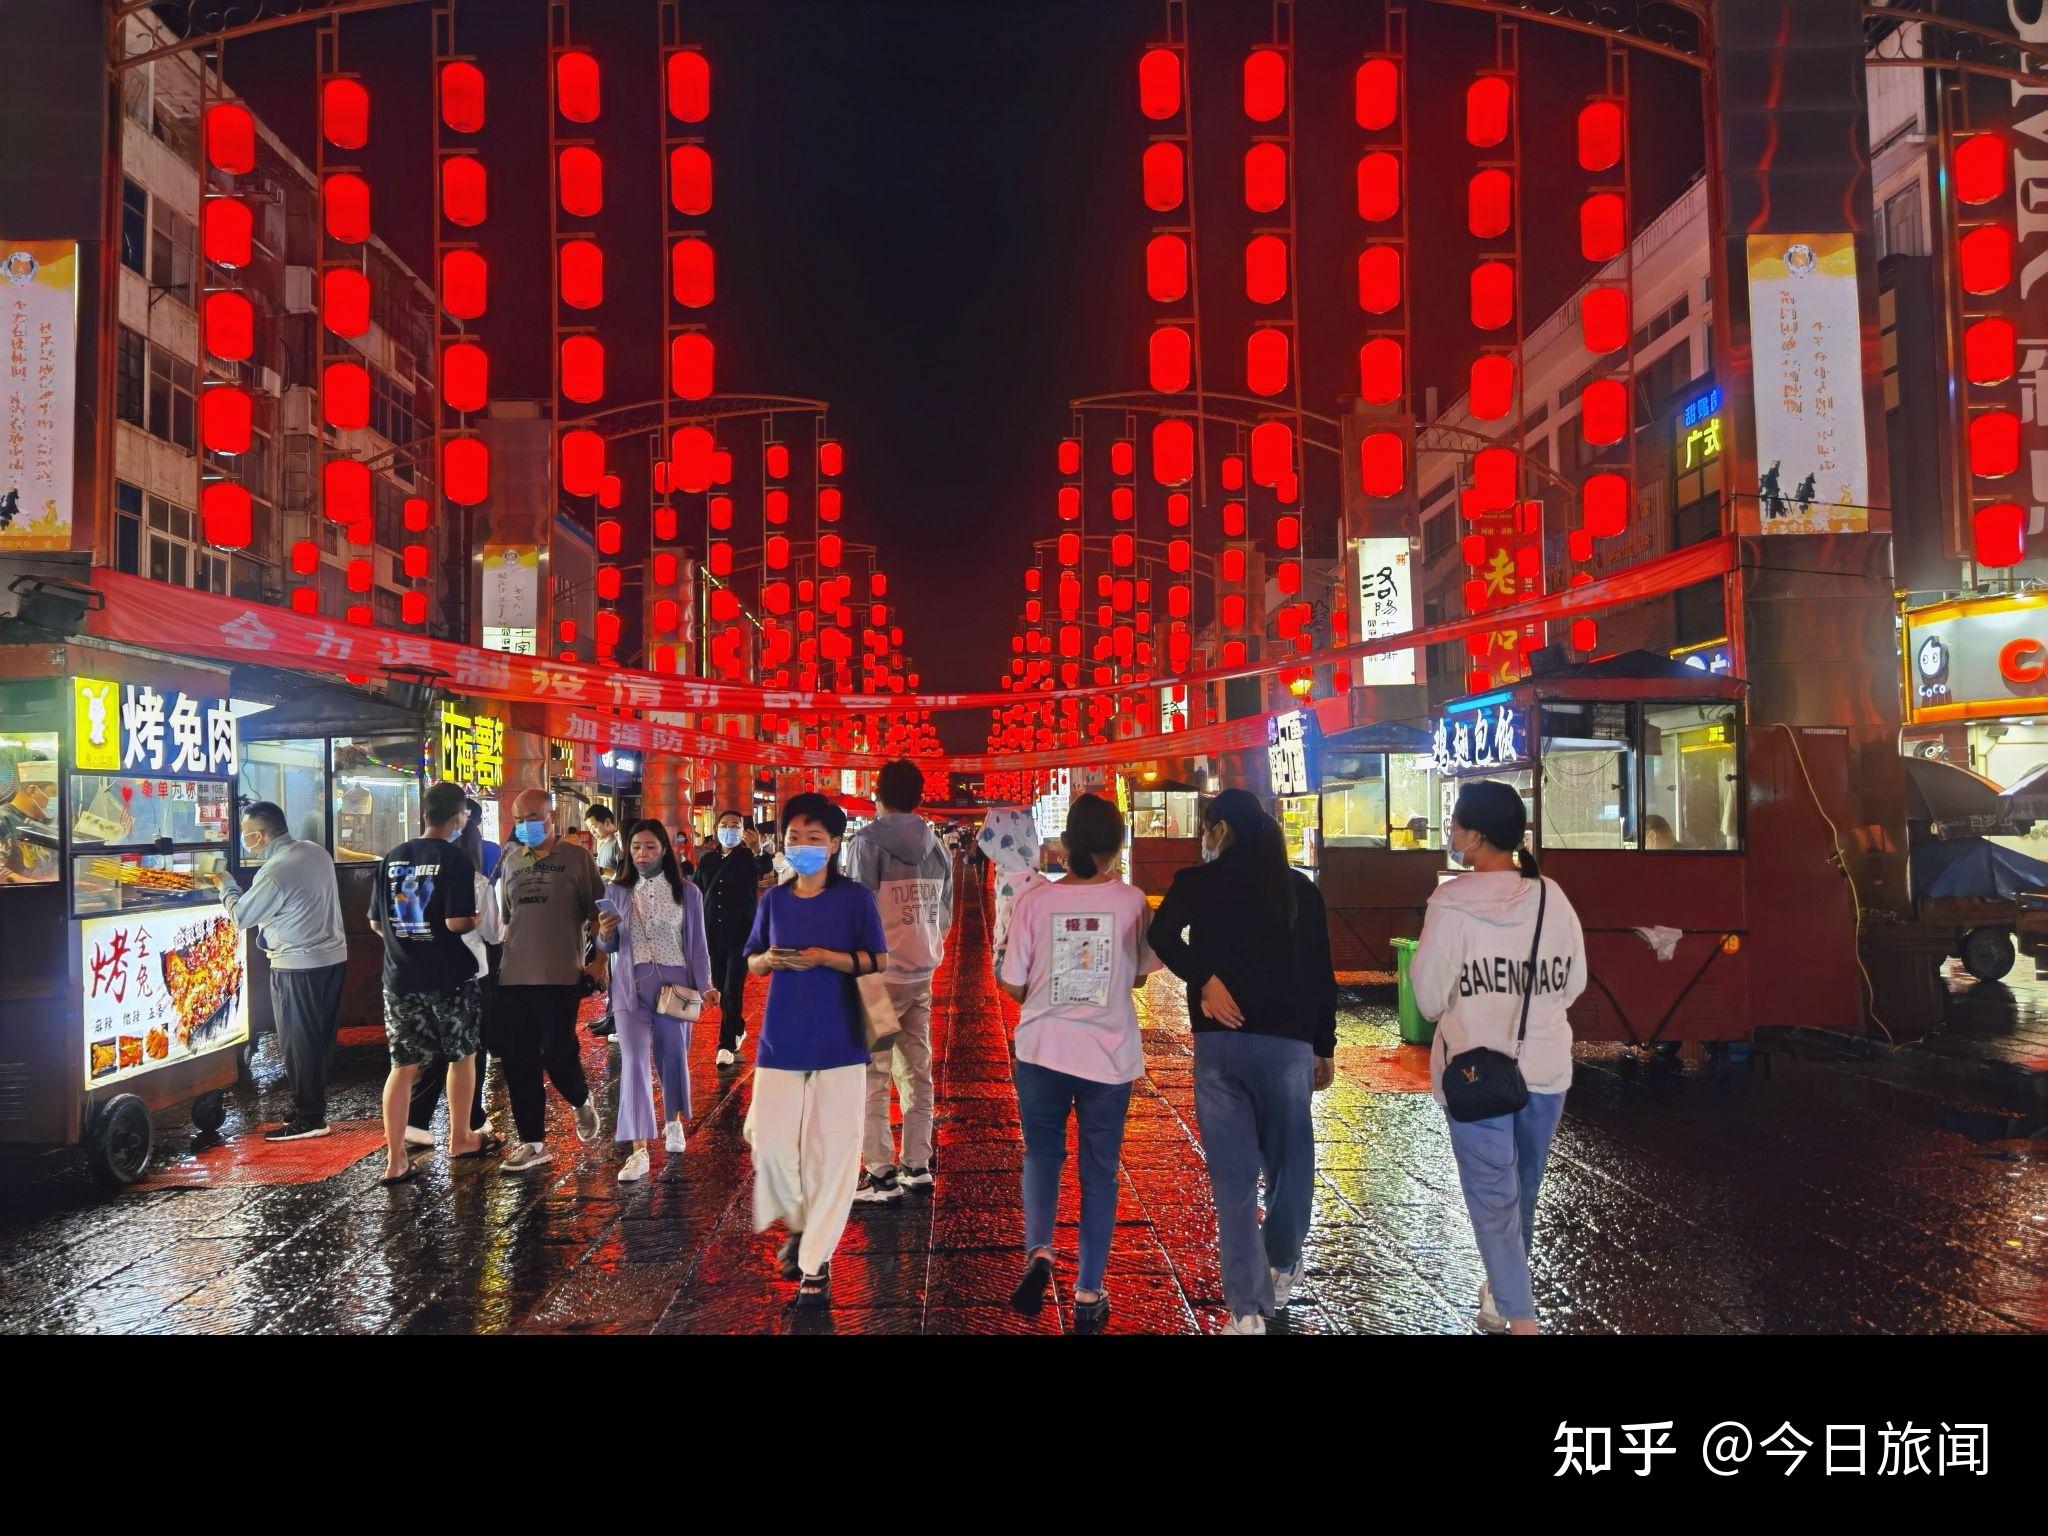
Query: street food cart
column 1633, row 774
column 1293, row 752
column 126, row 991
column 1382, row 839
column 1166, row 832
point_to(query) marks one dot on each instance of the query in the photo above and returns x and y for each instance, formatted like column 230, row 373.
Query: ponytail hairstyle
column 1496, row 813
column 1258, row 848
column 1095, row 835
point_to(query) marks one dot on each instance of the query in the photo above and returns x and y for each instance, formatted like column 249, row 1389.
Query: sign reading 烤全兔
column 159, row 987
column 1813, row 469
column 472, row 748
column 1491, row 736
column 129, row 727
column 1386, row 606
column 38, row 380
column 1976, row 659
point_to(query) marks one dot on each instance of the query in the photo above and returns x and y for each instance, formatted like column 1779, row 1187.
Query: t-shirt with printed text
column 420, row 885
column 1077, row 950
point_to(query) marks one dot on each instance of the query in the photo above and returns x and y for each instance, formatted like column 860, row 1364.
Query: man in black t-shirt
column 424, row 902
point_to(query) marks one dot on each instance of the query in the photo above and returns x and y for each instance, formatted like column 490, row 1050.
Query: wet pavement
column 1775, row 1196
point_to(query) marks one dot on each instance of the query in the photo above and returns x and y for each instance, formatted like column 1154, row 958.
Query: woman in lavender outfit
column 655, row 929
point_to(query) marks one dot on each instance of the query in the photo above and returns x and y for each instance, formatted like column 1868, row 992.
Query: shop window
column 292, row 775
column 173, row 244
column 134, row 227
column 127, row 527
column 172, row 550
column 28, row 804
column 376, row 796
column 131, row 377
column 136, row 82
column 1899, row 230
column 1165, row 813
column 1439, row 534
column 1355, row 811
column 1588, row 763
column 1691, row 789
column 172, row 407
column 1412, row 802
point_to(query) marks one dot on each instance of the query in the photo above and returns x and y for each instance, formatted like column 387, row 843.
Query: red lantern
column 1379, row 186
column 1376, row 94
column 1177, row 505
column 1265, row 361
column 1994, row 444
column 1265, row 177
column 1493, row 386
column 1164, row 176
column 831, row 457
column 1287, row 575
column 345, row 490
column 414, row 511
column 230, row 135
column 1123, row 503
column 1603, row 319
column 462, row 96
column 1487, row 100
column 1170, row 359
column 1494, row 477
column 1287, row 532
column 776, row 461
column 830, row 548
column 1265, row 84
column 1985, row 255
column 719, row 559
column 1980, row 170
column 775, row 550
column 224, row 419
column 1990, row 348
column 465, row 284
column 1122, row 549
column 1585, row 634
column 580, row 270
column 577, row 96
column 1579, row 544
column 1069, row 456
column 580, row 175
column 1603, row 411
column 305, row 557
column 1178, row 554
column 689, row 179
column 878, row 586
column 775, row 506
column 345, row 201
column 1069, row 548
column 1489, row 203
column 226, row 231
column 1379, row 279
column 225, row 516
column 609, row 586
column 345, row 395
column 1123, row 456
column 1493, row 295
column 305, row 600
column 582, row 368
column 1603, row 226
column 582, row 461
column 415, row 561
column 609, row 536
column 1272, row 452
column 690, row 365
column 229, row 325
column 345, row 301
column 464, row 194
column 608, row 491
column 689, row 86
column 465, row 470
column 1173, row 452
column 1265, row 269
column 718, row 509
column 666, row 527
column 1604, row 505
column 693, row 274
column 465, row 376
column 1231, row 607
column 1159, row 83
column 1999, row 535
column 1166, row 268
column 360, row 574
column 1600, row 133
column 830, row 500
column 690, row 454
column 1382, row 464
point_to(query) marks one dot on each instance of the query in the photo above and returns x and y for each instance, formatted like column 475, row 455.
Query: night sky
column 928, row 214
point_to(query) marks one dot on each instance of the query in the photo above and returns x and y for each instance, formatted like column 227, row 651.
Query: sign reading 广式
column 1813, row 473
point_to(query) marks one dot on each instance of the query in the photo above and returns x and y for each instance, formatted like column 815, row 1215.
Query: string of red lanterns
column 227, row 321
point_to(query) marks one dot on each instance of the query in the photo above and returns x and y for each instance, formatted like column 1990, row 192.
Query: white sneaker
column 1251, row 1322
column 1283, row 1285
column 634, row 1169
column 672, row 1137
column 588, row 1121
column 1489, row 1321
column 525, row 1155
column 739, row 1040
column 726, row 1058
column 415, row 1137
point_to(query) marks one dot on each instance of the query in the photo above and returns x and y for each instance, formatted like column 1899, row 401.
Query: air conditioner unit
column 300, row 291
column 296, row 409
column 269, row 382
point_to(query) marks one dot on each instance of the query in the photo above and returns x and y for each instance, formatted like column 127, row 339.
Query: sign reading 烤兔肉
column 1289, row 758
column 151, row 730
column 1489, row 737
column 472, row 748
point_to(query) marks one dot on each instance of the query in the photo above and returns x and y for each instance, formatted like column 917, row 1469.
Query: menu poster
column 1813, row 473
column 159, row 987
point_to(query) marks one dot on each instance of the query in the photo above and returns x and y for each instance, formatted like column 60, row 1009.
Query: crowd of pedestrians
column 489, row 952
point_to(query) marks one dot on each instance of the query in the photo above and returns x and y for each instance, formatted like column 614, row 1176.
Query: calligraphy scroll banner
column 1813, row 473
column 162, row 617
column 38, row 381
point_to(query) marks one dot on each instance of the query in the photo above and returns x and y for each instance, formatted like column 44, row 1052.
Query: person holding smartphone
column 812, row 935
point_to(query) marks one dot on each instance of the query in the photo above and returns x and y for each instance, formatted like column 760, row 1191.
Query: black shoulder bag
column 1480, row 1084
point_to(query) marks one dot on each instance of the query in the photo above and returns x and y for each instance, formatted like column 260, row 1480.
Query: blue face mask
column 730, row 837
column 808, row 858
column 532, row 832
column 649, row 869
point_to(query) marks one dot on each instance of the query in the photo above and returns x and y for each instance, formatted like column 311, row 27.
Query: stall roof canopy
column 1379, row 736
column 1628, row 664
column 326, row 711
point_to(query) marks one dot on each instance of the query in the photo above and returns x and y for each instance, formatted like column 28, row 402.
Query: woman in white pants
column 813, row 935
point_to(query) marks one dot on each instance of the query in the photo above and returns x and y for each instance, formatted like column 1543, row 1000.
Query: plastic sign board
column 1386, row 606
column 1472, row 741
column 159, row 987
column 472, row 748
column 1291, row 740
column 166, row 732
column 511, row 598
column 1977, row 659
column 1813, row 473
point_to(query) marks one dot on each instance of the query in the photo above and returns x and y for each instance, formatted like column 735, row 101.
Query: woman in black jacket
column 730, row 877
column 1247, row 935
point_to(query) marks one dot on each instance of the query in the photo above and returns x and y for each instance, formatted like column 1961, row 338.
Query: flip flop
column 490, row 1146
column 406, row 1177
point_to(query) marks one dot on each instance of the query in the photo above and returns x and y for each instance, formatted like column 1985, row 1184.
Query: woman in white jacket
column 1470, row 974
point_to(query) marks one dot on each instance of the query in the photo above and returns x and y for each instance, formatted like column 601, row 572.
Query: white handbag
column 679, row 1002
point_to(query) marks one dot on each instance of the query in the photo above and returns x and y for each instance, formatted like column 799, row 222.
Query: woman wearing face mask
column 1501, row 958
column 1248, row 936
column 812, row 935
column 730, row 877
column 655, row 930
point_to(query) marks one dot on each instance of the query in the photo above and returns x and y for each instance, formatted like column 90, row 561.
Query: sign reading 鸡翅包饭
column 1491, row 736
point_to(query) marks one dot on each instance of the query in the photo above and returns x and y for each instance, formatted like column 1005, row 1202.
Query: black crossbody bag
column 1480, row 1084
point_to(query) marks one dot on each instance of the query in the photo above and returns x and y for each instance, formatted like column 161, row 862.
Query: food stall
column 126, row 989
column 1293, row 751
column 1382, row 839
column 1166, row 832
column 1633, row 773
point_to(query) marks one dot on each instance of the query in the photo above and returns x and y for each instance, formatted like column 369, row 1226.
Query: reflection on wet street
column 1767, row 1197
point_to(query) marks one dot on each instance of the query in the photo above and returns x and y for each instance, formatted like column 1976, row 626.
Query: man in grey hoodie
column 900, row 859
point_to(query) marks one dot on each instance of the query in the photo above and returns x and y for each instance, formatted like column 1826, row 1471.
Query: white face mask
column 1462, row 855
column 1211, row 852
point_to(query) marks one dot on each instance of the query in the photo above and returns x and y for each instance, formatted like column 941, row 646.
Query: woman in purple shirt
column 813, row 935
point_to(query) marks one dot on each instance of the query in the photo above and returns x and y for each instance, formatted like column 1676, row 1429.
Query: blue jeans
column 1252, row 1100
column 1043, row 1100
column 1500, row 1165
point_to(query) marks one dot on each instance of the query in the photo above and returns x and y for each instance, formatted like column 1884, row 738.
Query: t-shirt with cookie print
column 1077, row 950
column 420, row 885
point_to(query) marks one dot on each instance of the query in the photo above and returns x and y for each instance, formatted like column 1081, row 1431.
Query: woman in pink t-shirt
column 1076, row 949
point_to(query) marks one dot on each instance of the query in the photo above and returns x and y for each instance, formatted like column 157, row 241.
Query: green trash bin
column 1415, row 1029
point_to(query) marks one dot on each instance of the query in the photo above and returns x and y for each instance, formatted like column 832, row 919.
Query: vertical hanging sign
column 39, row 315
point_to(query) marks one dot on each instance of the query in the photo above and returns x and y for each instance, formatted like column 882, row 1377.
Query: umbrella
column 1974, row 867
column 854, row 805
column 2027, row 800
column 1954, row 800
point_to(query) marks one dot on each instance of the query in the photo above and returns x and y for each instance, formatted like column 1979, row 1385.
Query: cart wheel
column 1987, row 952
column 209, row 1112
column 118, row 1143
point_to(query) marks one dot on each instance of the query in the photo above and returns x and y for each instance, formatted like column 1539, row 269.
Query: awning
column 1379, row 736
